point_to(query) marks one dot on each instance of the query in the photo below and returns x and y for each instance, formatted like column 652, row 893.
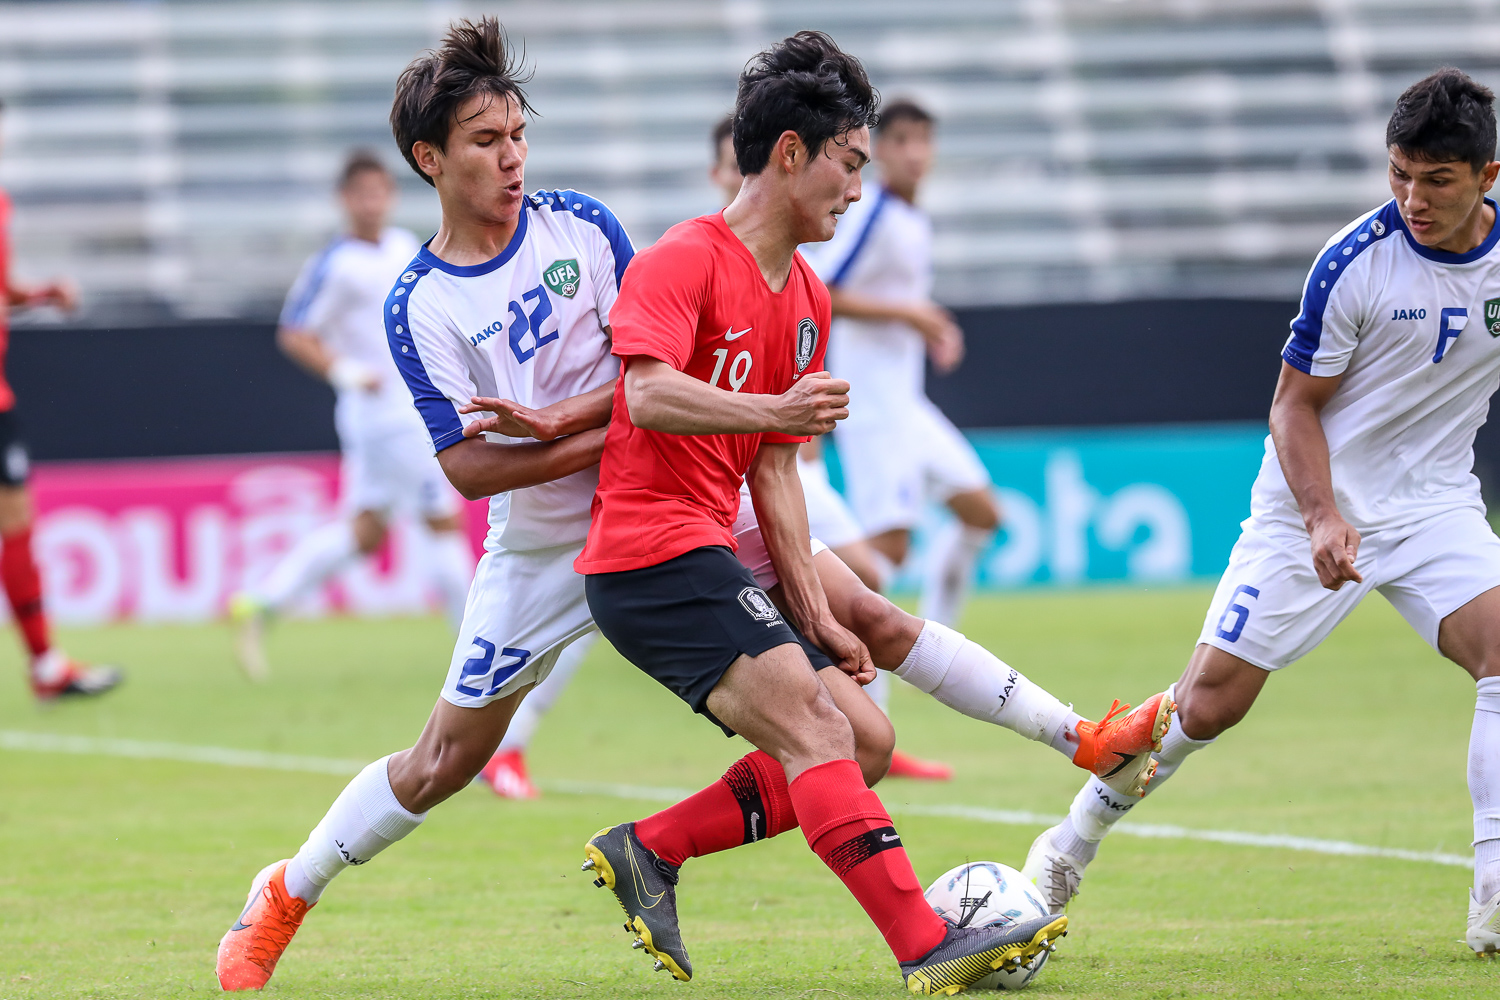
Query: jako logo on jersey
column 759, row 605
column 807, row 342
column 562, row 277
column 1492, row 316
column 496, row 327
column 1408, row 314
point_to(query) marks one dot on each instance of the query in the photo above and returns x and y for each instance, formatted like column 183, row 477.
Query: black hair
column 723, row 129
column 903, row 109
column 805, row 84
column 475, row 58
column 1445, row 117
column 357, row 162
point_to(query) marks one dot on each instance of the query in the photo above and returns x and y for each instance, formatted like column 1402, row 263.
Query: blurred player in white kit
column 333, row 325
column 897, row 449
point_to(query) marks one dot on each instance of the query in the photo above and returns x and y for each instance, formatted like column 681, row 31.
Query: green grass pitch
column 118, row 876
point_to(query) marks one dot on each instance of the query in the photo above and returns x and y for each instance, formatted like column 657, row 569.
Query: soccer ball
column 984, row 893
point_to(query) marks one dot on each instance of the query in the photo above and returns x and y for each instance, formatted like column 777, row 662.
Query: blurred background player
column 51, row 672
column 897, row 449
column 333, row 326
column 829, row 516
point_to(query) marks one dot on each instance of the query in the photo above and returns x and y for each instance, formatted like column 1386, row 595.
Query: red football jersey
column 696, row 300
column 7, row 398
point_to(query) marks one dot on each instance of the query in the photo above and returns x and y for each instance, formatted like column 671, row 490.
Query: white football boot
column 1484, row 925
column 1055, row 872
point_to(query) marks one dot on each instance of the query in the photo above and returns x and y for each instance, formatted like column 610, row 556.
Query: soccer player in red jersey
column 51, row 672
column 721, row 329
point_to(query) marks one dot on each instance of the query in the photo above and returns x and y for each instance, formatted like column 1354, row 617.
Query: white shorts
column 524, row 609
column 828, row 516
column 893, row 468
column 1270, row 610
column 394, row 470
column 750, row 547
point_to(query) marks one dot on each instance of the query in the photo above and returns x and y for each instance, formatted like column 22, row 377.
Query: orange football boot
column 1118, row 748
column 506, row 776
column 249, row 951
column 905, row 766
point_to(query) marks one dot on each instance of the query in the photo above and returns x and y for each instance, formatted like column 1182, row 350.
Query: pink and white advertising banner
column 171, row 539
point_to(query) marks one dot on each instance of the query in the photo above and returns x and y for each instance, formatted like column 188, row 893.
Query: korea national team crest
column 807, row 342
column 562, row 277
column 1492, row 316
column 759, row 605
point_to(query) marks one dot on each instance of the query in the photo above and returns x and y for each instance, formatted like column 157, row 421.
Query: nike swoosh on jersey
column 730, row 335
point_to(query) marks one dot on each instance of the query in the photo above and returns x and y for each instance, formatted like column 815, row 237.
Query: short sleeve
column 309, row 301
column 660, row 302
column 1327, row 326
column 426, row 350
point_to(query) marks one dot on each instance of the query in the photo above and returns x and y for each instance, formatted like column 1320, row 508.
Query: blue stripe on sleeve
column 843, row 269
column 1307, row 328
column 296, row 314
column 437, row 410
column 594, row 211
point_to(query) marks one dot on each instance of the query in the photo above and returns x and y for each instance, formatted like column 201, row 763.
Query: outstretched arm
column 661, row 398
column 781, row 509
column 566, row 416
column 479, row 468
column 1302, row 449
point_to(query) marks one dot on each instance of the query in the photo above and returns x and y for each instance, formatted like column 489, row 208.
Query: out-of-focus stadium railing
column 177, row 157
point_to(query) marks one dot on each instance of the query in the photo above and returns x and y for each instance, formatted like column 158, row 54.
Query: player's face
column 904, row 152
column 725, row 173
column 367, row 198
column 481, row 172
column 825, row 185
column 1438, row 201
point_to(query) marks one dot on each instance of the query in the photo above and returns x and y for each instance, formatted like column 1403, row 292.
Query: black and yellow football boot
column 646, row 887
column 968, row 954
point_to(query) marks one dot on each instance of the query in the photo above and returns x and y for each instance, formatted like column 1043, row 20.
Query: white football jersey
column 339, row 296
column 528, row 325
column 1416, row 335
column 882, row 248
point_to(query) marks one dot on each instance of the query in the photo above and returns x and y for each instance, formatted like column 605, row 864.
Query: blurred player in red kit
column 51, row 672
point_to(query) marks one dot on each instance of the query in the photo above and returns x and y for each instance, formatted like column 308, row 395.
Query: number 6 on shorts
column 1241, row 613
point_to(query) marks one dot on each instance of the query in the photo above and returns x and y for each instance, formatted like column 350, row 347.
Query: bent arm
column 306, row 349
column 661, row 398
column 479, row 469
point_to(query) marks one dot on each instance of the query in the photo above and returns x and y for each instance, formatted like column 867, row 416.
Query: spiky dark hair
column 1445, row 117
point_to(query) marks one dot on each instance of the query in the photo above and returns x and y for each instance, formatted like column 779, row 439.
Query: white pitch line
column 230, row 757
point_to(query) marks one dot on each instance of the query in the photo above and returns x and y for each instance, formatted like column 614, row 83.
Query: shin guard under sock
column 749, row 803
column 847, row 826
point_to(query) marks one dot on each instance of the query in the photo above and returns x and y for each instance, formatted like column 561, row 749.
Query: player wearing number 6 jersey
column 1366, row 483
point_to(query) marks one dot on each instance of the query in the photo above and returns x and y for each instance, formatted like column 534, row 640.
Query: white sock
column 311, row 561
column 1097, row 807
column 453, row 572
column 950, row 571
column 363, row 821
column 969, row 678
column 1484, row 787
column 879, row 691
column 540, row 699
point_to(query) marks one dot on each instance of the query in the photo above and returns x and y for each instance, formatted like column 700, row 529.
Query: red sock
column 847, row 826
column 749, row 803
column 23, row 586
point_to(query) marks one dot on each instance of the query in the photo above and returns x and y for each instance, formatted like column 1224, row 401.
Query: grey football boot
column 968, row 954
column 646, row 887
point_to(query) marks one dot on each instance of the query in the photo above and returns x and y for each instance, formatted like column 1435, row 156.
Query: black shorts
column 15, row 462
column 686, row 620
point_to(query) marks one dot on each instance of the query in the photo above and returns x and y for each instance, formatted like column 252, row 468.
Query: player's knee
column 1205, row 715
column 369, row 533
column 874, row 742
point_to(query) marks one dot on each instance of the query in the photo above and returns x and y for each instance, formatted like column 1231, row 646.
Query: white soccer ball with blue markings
column 984, row 893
